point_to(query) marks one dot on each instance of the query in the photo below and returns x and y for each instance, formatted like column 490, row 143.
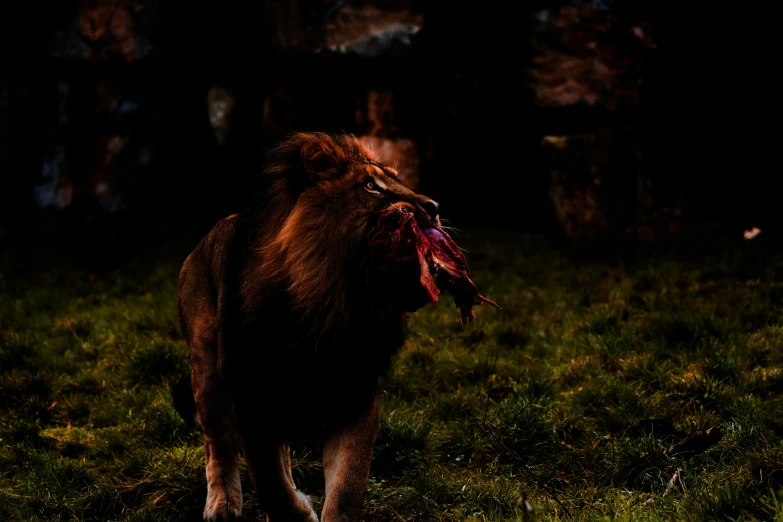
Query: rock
column 370, row 31
column 591, row 54
column 363, row 28
column 107, row 30
column 220, row 102
column 599, row 180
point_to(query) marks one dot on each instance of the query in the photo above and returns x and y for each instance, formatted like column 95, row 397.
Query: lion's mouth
column 404, row 259
column 422, row 219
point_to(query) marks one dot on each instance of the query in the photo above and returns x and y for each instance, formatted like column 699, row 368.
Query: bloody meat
column 410, row 266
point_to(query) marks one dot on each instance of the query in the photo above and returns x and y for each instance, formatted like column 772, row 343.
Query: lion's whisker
column 452, row 230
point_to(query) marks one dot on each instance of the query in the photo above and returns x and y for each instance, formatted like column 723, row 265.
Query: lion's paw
column 222, row 507
column 308, row 515
column 300, row 510
column 304, row 517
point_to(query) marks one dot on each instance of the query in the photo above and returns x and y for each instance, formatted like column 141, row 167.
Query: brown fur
column 285, row 341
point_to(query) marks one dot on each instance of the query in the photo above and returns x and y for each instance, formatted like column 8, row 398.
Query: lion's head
column 322, row 191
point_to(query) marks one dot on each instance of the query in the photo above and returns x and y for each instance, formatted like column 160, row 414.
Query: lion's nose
column 431, row 207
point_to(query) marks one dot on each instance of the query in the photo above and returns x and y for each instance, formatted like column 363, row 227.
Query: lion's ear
column 306, row 158
column 320, row 156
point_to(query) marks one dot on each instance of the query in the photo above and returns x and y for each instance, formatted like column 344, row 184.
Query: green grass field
column 564, row 406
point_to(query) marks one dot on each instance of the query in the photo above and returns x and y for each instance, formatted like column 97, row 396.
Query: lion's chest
column 303, row 381
column 295, row 396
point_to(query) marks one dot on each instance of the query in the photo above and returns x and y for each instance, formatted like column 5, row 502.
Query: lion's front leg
column 347, row 457
column 269, row 464
column 221, row 451
column 224, row 490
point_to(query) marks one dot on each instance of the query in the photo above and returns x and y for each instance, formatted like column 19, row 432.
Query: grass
column 561, row 407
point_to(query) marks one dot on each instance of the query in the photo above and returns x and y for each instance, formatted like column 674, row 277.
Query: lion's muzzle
column 423, row 208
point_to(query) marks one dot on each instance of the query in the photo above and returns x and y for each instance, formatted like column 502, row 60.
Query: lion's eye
column 370, row 185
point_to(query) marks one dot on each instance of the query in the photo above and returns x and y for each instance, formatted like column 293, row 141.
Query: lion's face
column 328, row 188
column 364, row 189
column 348, row 185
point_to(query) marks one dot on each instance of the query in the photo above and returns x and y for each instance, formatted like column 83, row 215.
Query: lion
column 284, row 339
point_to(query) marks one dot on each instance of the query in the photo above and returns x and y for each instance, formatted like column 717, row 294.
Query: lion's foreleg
column 269, row 464
column 221, row 450
column 347, row 457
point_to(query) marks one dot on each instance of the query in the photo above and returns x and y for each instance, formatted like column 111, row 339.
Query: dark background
column 670, row 113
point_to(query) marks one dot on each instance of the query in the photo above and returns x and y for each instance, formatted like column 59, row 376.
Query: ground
column 563, row 406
